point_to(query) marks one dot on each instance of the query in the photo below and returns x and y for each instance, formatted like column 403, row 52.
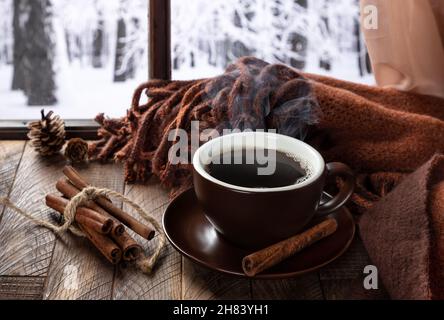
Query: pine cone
column 48, row 134
column 76, row 150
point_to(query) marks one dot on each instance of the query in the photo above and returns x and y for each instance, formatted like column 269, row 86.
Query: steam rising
column 262, row 96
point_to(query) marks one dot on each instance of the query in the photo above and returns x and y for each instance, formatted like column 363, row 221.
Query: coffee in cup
column 259, row 188
column 243, row 168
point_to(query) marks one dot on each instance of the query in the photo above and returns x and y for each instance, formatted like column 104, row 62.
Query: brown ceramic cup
column 255, row 218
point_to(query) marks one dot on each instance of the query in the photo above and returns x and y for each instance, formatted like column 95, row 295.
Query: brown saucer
column 192, row 235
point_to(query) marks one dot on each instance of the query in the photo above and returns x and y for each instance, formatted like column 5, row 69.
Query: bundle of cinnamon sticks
column 102, row 222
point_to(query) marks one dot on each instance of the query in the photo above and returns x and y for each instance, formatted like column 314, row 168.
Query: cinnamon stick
column 272, row 256
column 84, row 216
column 104, row 244
column 131, row 249
column 94, row 224
column 70, row 191
column 144, row 231
column 79, row 182
column 74, row 176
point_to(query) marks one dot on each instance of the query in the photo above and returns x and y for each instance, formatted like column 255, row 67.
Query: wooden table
column 34, row 264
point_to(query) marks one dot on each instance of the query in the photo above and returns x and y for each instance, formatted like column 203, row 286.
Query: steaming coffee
column 254, row 210
column 246, row 168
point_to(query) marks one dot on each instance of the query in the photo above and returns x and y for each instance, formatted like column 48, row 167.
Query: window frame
column 159, row 56
column 18, row 129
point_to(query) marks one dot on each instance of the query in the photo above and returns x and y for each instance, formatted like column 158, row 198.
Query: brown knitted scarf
column 384, row 134
column 250, row 95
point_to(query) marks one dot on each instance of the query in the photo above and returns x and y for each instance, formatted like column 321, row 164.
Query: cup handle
column 346, row 191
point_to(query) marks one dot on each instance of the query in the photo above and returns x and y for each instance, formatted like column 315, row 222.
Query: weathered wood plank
column 344, row 278
column 350, row 266
column 25, row 250
column 307, row 287
column 78, row 271
column 21, row 288
column 10, row 155
column 351, row 289
column 199, row 283
column 165, row 283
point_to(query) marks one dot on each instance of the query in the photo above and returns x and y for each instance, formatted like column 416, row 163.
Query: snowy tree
column 121, row 72
column 34, row 51
column 39, row 53
column 20, row 17
column 130, row 42
column 311, row 34
column 288, row 37
column 98, row 45
column 6, row 40
column 220, row 35
column 87, row 25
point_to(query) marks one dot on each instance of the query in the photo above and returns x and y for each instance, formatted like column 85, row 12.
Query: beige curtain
column 407, row 48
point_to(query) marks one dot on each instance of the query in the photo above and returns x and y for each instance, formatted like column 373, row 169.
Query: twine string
column 145, row 263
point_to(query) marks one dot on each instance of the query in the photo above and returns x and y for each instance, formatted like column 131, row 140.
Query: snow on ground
column 345, row 67
column 85, row 92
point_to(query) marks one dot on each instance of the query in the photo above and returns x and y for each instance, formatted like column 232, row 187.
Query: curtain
column 407, row 47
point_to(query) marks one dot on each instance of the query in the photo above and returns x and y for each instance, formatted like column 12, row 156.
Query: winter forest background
column 83, row 57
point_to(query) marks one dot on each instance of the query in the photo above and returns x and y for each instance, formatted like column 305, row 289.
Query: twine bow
column 145, row 264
